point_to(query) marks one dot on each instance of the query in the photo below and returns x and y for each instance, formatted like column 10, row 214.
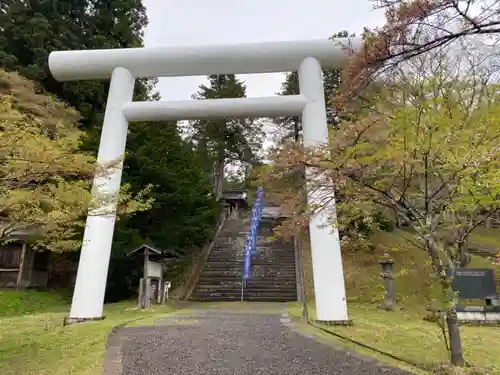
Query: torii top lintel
column 268, row 57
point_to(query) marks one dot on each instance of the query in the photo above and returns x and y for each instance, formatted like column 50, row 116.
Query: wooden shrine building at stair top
column 234, row 200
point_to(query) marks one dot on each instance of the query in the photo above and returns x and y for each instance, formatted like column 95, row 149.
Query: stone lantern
column 387, row 265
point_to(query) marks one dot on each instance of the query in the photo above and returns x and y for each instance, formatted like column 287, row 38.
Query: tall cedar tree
column 183, row 215
column 226, row 140
column 291, row 127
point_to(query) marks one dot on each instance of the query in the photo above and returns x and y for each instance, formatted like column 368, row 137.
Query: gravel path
column 225, row 342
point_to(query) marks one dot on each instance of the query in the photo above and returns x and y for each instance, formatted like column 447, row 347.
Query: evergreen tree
column 32, row 29
column 291, row 127
column 184, row 214
column 227, row 140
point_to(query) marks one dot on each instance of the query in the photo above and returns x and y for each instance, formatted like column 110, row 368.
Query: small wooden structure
column 20, row 265
column 234, row 200
column 152, row 288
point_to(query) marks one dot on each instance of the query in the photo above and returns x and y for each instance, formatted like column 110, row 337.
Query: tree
column 417, row 27
column 427, row 149
column 32, row 29
column 225, row 140
column 45, row 178
column 291, row 127
column 184, row 214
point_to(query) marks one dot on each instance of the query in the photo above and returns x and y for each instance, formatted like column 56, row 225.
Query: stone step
column 209, row 289
column 228, row 255
column 269, row 282
column 290, row 286
column 236, row 296
column 271, row 250
column 273, row 267
column 263, row 261
column 221, row 271
column 227, row 247
column 265, row 280
column 274, row 258
column 282, row 280
column 263, row 252
column 240, row 258
column 282, row 265
column 255, row 275
column 256, row 272
column 245, row 298
column 218, row 264
column 237, row 290
column 237, row 274
column 217, row 258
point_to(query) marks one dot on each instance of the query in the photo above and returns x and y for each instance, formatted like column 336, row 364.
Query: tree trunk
column 219, row 178
column 456, row 353
column 296, row 129
column 215, row 178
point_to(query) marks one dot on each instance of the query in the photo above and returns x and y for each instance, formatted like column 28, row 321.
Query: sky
column 206, row 22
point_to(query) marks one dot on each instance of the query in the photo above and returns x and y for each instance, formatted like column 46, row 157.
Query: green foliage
column 291, row 127
column 234, row 139
column 124, row 271
column 426, row 148
column 225, row 141
column 158, row 164
column 32, row 29
column 45, row 178
column 184, row 214
column 15, row 303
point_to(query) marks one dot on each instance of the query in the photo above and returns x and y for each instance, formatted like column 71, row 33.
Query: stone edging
column 113, row 355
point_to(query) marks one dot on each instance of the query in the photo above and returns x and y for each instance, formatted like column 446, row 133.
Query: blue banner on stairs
column 250, row 245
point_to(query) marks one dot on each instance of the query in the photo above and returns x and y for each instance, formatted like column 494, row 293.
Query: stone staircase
column 273, row 267
column 220, row 279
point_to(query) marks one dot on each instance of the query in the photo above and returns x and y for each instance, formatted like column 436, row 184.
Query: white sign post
column 123, row 66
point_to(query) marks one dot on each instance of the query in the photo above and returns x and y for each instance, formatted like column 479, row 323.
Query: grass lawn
column 404, row 333
column 33, row 340
column 38, row 344
column 486, row 239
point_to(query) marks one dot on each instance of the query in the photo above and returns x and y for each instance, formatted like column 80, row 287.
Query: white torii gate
column 125, row 65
